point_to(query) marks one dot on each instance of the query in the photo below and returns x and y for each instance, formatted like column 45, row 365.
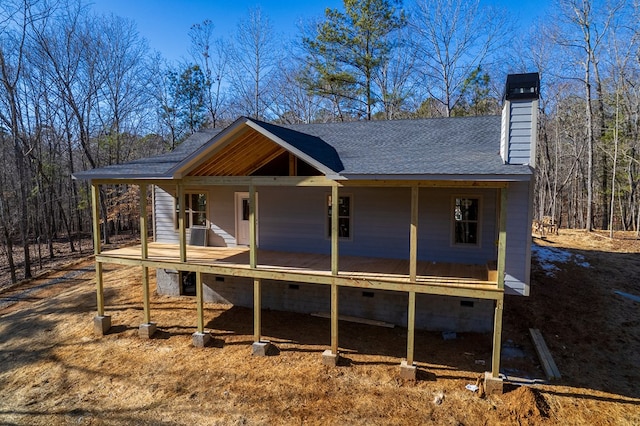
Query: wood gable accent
column 246, row 153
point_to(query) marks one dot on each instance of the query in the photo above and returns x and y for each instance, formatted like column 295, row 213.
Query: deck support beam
column 259, row 347
column 144, row 248
column 407, row 368
column 331, row 357
column 182, row 223
column 200, row 339
column 147, row 328
column 493, row 382
column 101, row 322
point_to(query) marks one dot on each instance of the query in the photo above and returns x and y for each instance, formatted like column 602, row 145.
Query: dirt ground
column 54, row 370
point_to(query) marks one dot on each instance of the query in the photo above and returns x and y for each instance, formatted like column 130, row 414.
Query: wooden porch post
column 502, row 251
column 497, row 339
column 144, row 243
column 334, row 268
column 95, row 211
column 200, row 339
column 147, row 328
column 102, row 322
column 253, row 263
column 413, row 271
column 182, row 221
column 253, row 238
column 200, row 302
column 407, row 369
column 413, row 237
column 259, row 347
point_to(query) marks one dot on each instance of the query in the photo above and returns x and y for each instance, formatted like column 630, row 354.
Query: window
column 344, row 216
column 195, row 209
column 466, row 225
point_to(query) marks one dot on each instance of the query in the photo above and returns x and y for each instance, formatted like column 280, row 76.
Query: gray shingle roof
column 466, row 146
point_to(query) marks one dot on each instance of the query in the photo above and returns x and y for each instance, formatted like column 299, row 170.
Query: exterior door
column 242, row 218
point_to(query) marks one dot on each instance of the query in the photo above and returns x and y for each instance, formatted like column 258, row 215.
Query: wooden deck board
column 358, row 268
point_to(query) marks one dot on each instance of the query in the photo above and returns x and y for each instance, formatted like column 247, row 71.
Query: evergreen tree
column 348, row 48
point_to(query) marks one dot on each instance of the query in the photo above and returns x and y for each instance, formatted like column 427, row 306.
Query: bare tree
column 16, row 19
column 255, row 60
column 453, row 38
column 213, row 58
column 582, row 34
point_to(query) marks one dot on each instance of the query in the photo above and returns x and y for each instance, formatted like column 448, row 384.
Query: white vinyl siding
column 295, row 219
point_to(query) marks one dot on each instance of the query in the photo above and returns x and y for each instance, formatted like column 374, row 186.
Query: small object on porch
column 407, row 372
column 439, row 398
column 449, row 335
column 198, row 236
column 329, row 358
column 101, row 324
column 146, row 330
column 200, row 340
column 546, row 360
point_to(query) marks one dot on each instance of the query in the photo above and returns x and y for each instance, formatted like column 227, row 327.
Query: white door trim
column 242, row 226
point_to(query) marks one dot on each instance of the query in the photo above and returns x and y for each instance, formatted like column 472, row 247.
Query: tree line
column 80, row 90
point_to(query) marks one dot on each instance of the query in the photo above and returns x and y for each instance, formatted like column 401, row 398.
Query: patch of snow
column 549, row 257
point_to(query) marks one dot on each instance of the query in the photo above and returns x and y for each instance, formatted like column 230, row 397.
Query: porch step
column 492, row 271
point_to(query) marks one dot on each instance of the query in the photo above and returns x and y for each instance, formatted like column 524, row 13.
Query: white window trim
column 452, row 238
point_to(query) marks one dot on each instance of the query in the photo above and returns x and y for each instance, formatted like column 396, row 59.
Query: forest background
column 80, row 90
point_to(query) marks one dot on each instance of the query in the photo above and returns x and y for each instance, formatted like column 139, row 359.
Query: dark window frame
column 345, row 221
column 466, row 220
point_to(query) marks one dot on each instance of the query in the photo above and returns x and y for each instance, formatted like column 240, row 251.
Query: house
column 420, row 223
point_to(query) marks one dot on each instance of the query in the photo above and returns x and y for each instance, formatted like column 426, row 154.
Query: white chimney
column 520, row 119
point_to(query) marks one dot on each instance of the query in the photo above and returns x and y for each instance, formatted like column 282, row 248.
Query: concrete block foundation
column 493, row 385
column 407, row 372
column 433, row 312
column 147, row 330
column 101, row 324
column 329, row 358
column 262, row 348
column 201, row 340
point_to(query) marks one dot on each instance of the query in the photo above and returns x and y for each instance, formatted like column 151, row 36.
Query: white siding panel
column 222, row 215
column 295, row 219
column 518, row 239
column 520, row 132
column 436, row 226
column 164, row 211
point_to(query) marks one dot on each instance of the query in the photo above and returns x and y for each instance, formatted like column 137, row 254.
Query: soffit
column 246, row 153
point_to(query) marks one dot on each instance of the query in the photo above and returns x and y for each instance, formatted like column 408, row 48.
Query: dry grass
column 53, row 370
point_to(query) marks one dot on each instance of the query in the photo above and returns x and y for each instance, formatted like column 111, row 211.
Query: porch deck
column 359, row 271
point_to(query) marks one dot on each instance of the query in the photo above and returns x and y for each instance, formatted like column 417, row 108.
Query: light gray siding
column 435, row 227
column 517, row 264
column 295, row 219
column 220, row 215
column 521, row 131
column 164, row 213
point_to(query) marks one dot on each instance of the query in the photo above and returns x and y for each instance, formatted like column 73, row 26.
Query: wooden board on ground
column 354, row 319
column 548, row 364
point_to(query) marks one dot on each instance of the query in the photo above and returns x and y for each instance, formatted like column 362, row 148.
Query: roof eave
column 524, row 177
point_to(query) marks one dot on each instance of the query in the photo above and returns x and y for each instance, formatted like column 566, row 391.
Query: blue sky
column 165, row 23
